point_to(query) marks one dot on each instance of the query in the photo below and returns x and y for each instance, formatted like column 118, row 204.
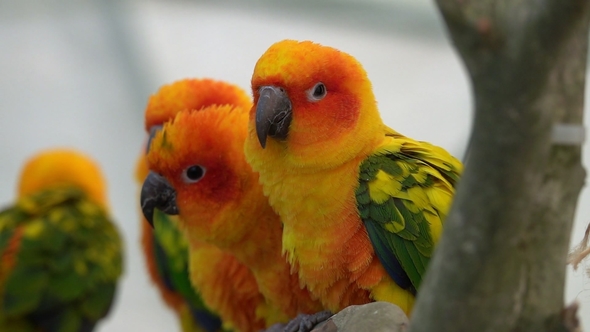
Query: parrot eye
column 193, row 174
column 318, row 92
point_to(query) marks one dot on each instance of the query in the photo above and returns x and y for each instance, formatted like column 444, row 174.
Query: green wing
column 405, row 191
column 172, row 260
column 60, row 258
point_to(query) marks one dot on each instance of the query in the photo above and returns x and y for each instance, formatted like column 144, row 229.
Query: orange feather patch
column 191, row 94
column 9, row 255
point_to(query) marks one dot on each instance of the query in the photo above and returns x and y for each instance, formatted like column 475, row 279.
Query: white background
column 78, row 74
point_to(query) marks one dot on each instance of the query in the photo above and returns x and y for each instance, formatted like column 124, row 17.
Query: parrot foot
column 275, row 328
column 306, row 323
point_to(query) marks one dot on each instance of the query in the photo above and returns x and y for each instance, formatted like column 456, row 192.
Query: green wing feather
column 174, row 264
column 60, row 258
column 405, row 191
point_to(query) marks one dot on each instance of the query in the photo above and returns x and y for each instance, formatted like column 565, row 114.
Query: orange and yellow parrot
column 362, row 206
column 217, row 283
column 167, row 257
column 198, row 163
column 60, row 252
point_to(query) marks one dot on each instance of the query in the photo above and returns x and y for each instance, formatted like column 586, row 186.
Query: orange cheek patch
column 324, row 120
column 346, row 111
column 196, row 210
column 220, row 185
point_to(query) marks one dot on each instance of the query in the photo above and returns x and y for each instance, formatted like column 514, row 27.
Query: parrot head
column 191, row 94
column 186, row 94
column 310, row 100
column 63, row 167
column 197, row 166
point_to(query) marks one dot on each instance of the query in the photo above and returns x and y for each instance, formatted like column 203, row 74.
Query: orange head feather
column 141, row 168
column 187, row 94
column 63, row 167
column 191, row 94
column 333, row 109
column 201, row 154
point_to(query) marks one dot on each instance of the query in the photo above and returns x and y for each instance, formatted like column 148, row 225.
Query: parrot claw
column 306, row 323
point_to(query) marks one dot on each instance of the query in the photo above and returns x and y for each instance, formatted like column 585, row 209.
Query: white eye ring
column 193, row 174
column 317, row 92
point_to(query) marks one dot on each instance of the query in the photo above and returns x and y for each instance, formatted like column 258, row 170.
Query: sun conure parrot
column 60, row 253
column 218, row 284
column 198, row 161
column 362, row 206
column 167, row 257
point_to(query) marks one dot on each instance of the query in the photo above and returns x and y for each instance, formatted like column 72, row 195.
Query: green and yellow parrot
column 362, row 206
column 60, row 253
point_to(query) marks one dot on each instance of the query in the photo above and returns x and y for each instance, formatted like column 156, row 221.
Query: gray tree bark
column 500, row 265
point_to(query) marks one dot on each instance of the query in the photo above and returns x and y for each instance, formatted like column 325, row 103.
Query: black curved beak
column 157, row 193
column 273, row 114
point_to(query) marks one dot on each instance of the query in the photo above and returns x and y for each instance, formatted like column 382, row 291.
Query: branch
column 500, row 265
column 581, row 251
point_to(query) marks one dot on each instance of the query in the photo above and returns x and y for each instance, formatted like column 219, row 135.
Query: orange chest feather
column 227, row 286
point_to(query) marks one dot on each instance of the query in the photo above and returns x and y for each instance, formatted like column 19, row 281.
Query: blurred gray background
column 78, row 74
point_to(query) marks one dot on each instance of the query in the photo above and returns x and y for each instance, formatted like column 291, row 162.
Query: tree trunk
column 500, row 265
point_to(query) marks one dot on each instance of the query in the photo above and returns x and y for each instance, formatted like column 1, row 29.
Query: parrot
column 362, row 205
column 60, row 251
column 198, row 166
column 167, row 259
column 201, row 283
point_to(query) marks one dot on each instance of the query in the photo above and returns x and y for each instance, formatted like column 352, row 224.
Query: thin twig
column 581, row 251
